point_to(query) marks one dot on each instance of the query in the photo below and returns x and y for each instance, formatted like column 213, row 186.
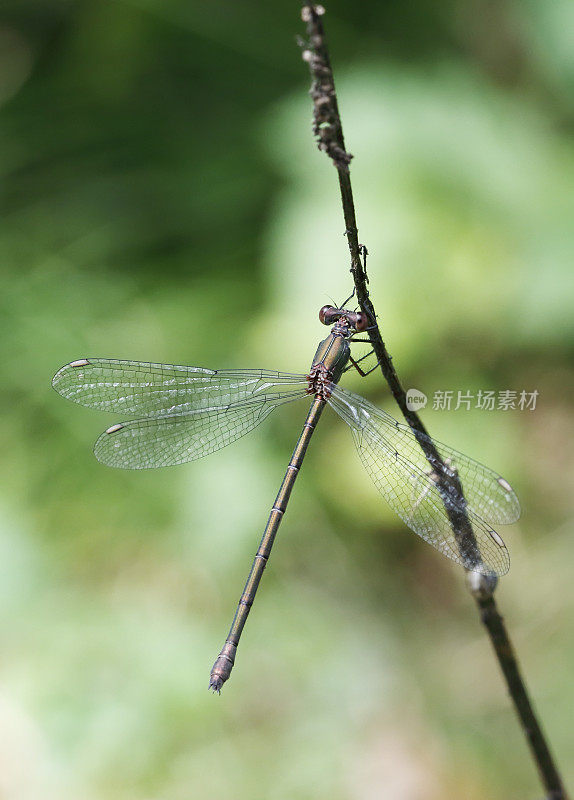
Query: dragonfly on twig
column 184, row 413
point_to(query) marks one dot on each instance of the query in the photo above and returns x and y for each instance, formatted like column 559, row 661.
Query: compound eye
column 361, row 322
column 328, row 315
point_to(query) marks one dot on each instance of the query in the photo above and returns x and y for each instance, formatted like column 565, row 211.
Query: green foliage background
column 163, row 200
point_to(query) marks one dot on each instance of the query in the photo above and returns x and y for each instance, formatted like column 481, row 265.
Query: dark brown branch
column 328, row 132
column 494, row 624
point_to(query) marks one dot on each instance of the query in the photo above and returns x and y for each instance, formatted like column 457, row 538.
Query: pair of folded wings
column 184, row 413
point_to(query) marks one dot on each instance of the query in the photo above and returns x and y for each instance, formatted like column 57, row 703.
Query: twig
column 328, row 132
column 329, row 135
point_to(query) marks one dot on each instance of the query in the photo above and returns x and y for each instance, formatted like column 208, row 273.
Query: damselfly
column 184, row 413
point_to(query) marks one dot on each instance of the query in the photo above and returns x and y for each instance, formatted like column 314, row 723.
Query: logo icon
column 416, row 400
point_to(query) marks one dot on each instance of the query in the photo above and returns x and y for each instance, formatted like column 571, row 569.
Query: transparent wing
column 169, row 440
column 486, row 493
column 138, row 388
column 188, row 412
column 400, row 471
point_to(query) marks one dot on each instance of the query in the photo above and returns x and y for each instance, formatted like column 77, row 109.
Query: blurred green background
column 163, row 200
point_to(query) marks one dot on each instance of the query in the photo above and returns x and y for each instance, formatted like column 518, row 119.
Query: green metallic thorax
column 333, row 353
